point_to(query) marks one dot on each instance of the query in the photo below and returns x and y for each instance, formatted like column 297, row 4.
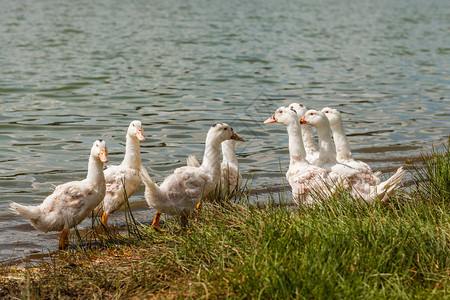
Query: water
column 75, row 71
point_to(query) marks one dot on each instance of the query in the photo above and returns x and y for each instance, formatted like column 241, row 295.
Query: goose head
column 333, row 115
column 315, row 118
column 222, row 132
column 284, row 115
column 300, row 108
column 99, row 150
column 135, row 130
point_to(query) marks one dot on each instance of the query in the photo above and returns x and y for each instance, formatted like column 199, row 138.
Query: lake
column 75, row 71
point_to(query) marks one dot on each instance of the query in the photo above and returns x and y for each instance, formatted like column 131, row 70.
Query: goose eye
column 301, row 105
column 311, row 114
column 225, row 128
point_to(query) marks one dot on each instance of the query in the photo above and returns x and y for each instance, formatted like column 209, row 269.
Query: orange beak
column 236, row 137
column 302, row 120
column 140, row 135
column 103, row 155
column 270, row 120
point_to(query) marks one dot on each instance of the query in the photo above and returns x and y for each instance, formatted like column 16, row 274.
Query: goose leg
column 105, row 219
column 184, row 221
column 199, row 208
column 64, row 239
column 155, row 223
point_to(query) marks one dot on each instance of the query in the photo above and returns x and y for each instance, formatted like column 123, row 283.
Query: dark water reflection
column 72, row 72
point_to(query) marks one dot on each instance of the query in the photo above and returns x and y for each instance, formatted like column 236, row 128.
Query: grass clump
column 335, row 251
column 343, row 249
column 432, row 178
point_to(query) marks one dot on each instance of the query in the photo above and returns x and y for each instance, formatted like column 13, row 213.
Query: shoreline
column 144, row 214
column 343, row 248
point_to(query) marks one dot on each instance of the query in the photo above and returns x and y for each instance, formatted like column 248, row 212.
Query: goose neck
column 296, row 148
column 132, row 157
column 308, row 139
column 95, row 170
column 327, row 152
column 342, row 145
column 229, row 152
column 211, row 157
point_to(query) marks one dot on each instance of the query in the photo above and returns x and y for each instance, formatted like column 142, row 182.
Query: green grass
column 345, row 249
column 432, row 179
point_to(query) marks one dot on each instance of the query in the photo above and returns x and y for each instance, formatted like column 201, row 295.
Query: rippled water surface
column 75, row 71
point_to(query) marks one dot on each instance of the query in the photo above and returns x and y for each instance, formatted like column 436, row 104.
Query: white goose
column 327, row 150
column 71, row 202
column 312, row 151
column 343, row 153
column 359, row 186
column 230, row 177
column 180, row 192
column 127, row 173
column 302, row 176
